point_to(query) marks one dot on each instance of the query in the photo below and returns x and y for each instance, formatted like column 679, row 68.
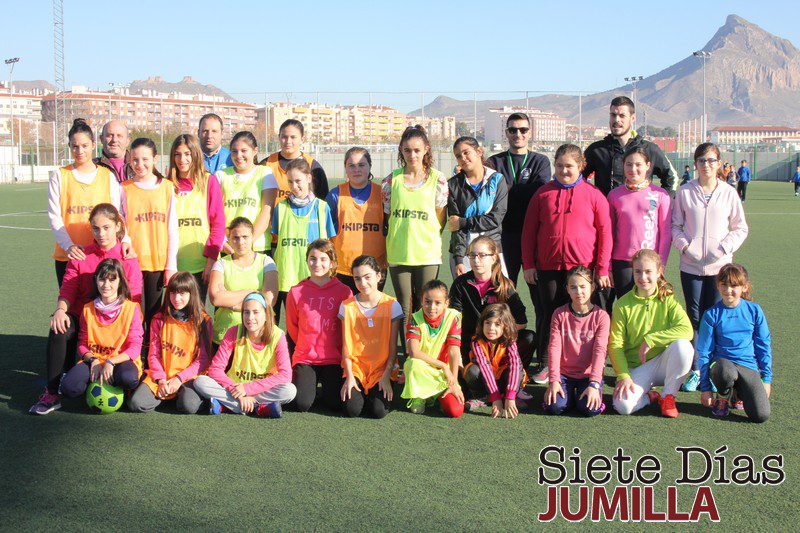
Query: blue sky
column 409, row 45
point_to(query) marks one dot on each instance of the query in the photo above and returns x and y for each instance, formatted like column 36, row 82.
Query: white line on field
column 748, row 214
column 30, row 229
column 30, row 189
column 22, row 213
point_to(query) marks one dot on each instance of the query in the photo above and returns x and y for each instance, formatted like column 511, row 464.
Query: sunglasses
column 513, row 130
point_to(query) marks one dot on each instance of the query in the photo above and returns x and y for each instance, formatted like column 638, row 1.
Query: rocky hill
column 186, row 86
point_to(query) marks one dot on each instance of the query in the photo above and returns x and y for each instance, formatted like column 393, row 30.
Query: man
column 525, row 172
column 115, row 156
column 744, row 179
column 215, row 156
column 604, row 157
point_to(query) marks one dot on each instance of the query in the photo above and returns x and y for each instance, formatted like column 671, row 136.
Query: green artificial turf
column 75, row 471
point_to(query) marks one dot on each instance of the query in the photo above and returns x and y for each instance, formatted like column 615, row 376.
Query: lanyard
column 511, row 164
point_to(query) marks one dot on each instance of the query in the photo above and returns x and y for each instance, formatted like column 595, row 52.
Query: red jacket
column 567, row 227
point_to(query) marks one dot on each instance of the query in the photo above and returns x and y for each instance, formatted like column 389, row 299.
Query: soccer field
column 73, row 470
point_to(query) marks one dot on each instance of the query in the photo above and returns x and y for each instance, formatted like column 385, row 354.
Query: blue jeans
column 573, row 388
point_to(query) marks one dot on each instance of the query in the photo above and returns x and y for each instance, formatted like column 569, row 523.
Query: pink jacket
column 220, row 362
column 578, row 345
column 312, row 321
column 640, row 219
column 78, row 285
column 712, row 232
column 198, row 365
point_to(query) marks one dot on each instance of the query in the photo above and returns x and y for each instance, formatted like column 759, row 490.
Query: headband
column 257, row 296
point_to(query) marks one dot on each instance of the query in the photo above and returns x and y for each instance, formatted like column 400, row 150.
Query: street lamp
column 634, row 80
column 704, row 55
column 11, row 62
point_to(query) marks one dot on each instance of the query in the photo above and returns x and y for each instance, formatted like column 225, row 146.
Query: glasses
column 479, row 256
column 707, row 160
column 513, row 130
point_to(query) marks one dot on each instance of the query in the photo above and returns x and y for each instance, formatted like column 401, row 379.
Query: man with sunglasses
column 525, row 171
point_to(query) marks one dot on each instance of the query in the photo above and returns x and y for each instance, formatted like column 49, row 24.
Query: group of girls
column 574, row 243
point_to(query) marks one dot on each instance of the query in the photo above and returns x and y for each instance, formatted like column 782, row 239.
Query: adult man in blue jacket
column 215, row 156
column 744, row 179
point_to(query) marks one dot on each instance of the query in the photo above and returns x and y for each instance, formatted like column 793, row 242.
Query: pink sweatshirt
column 578, row 345
column 712, row 232
column 219, row 363
column 198, row 365
column 132, row 347
column 640, row 219
column 312, row 321
column 215, row 212
column 78, row 285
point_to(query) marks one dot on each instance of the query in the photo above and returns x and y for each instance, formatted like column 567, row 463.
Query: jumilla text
column 578, row 490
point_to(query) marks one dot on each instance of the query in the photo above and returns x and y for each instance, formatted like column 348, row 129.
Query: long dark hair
column 415, row 132
column 111, row 269
column 185, row 282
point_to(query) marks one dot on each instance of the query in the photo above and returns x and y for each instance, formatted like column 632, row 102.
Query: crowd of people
column 139, row 256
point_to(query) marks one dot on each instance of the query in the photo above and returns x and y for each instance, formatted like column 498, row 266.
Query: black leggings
column 477, row 384
column 280, row 300
column 512, row 255
column 552, row 294
column 622, row 275
column 126, row 376
column 61, row 269
column 726, row 375
column 152, row 292
column 742, row 190
column 377, row 406
column 61, row 349
column 526, row 346
column 305, row 378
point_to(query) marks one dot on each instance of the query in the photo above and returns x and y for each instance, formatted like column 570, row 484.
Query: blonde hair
column 663, row 287
column 265, row 335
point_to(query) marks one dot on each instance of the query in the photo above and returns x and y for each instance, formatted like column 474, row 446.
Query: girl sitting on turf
column 433, row 341
column 251, row 371
column 650, row 340
column 235, row 276
column 495, row 369
column 180, row 343
column 77, row 290
column 371, row 321
column 734, row 349
column 314, row 329
column 576, row 354
column 298, row 220
column 110, row 338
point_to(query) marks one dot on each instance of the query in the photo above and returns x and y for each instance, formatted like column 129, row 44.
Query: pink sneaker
column 46, row 404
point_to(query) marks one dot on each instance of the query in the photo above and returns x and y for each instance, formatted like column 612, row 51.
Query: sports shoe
column 46, row 404
column 692, row 381
column 738, row 404
column 269, row 410
column 655, row 397
column 522, row 395
column 416, row 405
column 668, row 408
column 540, row 375
column 720, row 407
column 215, row 408
column 473, row 404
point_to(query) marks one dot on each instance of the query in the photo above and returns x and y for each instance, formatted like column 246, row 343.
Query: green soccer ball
column 104, row 398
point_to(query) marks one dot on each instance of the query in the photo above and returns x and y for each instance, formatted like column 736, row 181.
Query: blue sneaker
column 692, row 381
column 269, row 410
column 215, row 408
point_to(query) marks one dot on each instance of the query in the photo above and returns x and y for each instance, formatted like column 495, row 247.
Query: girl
column 494, row 361
column 486, row 284
column 148, row 207
column 235, row 276
column 734, row 349
column 371, row 321
column 299, row 219
column 434, row 344
column 198, row 205
column 576, row 354
column 72, row 193
column 415, row 200
column 708, row 225
column 640, row 218
column 650, row 341
column 357, row 214
column 567, row 224
column 180, row 343
column 76, row 291
column 248, row 190
column 251, row 371
column 476, row 203
column 311, row 320
column 110, row 338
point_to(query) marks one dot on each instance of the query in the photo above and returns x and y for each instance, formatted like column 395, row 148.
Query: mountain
column 186, row 86
column 752, row 78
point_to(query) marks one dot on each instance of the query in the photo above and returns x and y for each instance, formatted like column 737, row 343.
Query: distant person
column 687, row 175
column 115, row 156
column 796, row 180
column 744, row 179
column 604, row 157
column 215, row 156
column 731, row 176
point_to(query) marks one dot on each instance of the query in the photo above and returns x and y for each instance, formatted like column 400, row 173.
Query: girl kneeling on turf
column 180, row 343
column 110, row 338
column 311, row 320
column 433, row 341
column 495, row 362
column 650, row 341
column 734, row 349
column 371, row 321
column 576, row 353
column 251, row 371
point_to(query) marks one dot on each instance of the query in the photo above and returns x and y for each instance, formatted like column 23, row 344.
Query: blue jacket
column 744, row 174
column 739, row 334
column 796, row 177
column 219, row 161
